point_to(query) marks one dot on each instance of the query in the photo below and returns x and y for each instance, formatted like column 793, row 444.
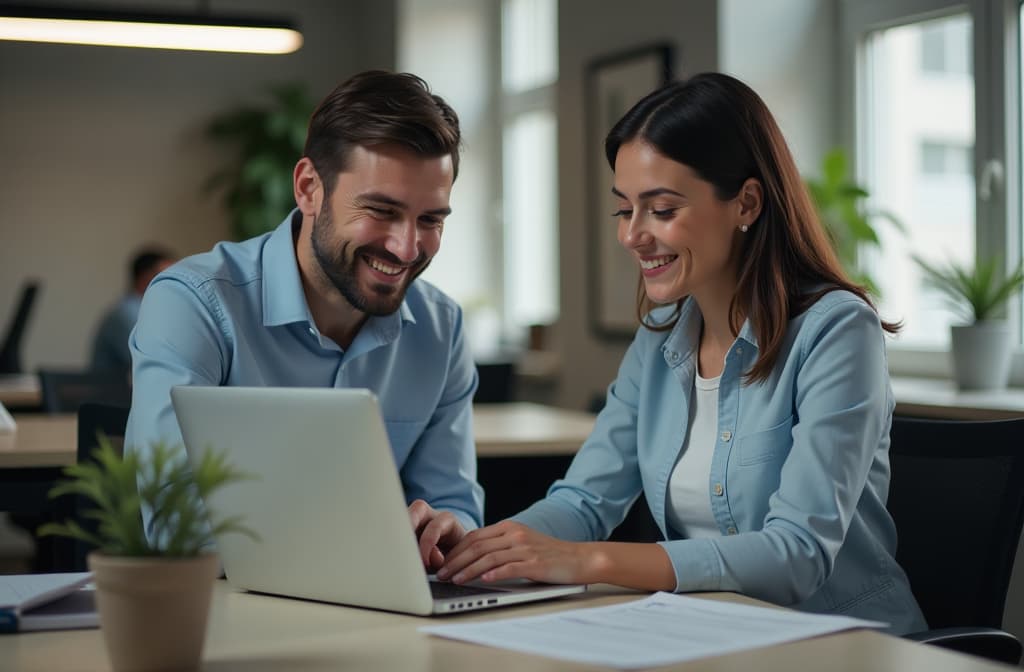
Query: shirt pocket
column 765, row 445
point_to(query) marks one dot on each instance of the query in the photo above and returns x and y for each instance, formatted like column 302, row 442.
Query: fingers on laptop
column 510, row 550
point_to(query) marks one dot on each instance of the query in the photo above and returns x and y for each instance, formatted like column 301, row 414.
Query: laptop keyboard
column 444, row 590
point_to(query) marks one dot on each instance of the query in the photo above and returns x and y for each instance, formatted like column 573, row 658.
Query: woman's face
column 683, row 237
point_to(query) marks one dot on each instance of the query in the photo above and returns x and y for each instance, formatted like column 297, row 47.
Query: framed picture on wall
column 612, row 85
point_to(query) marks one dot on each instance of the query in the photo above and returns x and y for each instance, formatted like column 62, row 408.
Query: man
column 330, row 298
column 110, row 345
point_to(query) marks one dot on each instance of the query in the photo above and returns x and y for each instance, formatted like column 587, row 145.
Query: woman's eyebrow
column 650, row 193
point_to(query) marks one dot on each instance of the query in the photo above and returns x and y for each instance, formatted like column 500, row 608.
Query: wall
column 101, row 150
column 588, row 363
column 787, row 51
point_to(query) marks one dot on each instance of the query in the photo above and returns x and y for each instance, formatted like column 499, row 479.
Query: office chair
column 957, row 497
column 497, row 383
column 65, row 391
column 93, row 419
column 10, row 350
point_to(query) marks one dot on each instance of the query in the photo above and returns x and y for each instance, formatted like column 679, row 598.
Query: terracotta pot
column 153, row 610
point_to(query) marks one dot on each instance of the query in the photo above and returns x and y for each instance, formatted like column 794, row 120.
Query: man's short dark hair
column 147, row 259
column 378, row 108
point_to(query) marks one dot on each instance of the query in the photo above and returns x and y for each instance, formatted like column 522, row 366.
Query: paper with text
column 659, row 630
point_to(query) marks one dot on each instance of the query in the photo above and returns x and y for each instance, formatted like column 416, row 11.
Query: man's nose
column 404, row 241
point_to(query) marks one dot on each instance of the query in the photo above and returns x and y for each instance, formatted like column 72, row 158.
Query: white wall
column 787, row 51
column 101, row 150
column 586, row 31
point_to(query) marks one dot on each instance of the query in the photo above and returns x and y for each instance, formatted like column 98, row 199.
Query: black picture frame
column 612, row 85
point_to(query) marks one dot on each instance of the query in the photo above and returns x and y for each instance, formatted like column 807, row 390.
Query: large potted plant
column 982, row 347
column 152, row 590
column 841, row 205
column 266, row 139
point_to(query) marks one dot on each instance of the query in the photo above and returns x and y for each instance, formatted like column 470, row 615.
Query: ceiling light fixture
column 200, row 31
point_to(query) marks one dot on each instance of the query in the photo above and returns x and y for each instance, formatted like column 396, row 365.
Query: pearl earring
column 744, row 228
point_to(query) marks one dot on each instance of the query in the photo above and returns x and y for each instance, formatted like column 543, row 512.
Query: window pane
column 531, row 208
column 918, row 131
column 529, row 38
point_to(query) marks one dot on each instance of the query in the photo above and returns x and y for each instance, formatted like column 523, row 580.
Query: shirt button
column 731, row 530
column 719, row 489
column 312, row 331
column 739, row 351
column 674, row 356
column 726, row 435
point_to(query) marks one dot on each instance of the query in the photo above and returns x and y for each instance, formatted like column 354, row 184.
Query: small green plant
column 120, row 487
column 977, row 294
column 840, row 205
column 268, row 139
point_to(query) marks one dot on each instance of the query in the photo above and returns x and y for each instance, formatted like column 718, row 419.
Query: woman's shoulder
column 836, row 309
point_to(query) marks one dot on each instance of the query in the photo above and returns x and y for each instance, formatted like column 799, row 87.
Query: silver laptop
column 326, row 501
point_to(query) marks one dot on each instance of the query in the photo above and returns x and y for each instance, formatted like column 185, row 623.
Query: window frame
column 997, row 106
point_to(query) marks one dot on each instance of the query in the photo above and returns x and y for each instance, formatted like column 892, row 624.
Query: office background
column 102, row 150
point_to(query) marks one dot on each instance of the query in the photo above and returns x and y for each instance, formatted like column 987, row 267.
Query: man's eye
column 380, row 212
column 431, row 221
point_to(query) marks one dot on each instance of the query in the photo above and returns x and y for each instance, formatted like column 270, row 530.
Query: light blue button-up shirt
column 799, row 477
column 237, row 315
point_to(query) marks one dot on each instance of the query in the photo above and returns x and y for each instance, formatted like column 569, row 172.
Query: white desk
column 939, row 398
column 262, row 634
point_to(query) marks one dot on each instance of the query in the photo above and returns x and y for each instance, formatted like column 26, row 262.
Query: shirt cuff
column 695, row 563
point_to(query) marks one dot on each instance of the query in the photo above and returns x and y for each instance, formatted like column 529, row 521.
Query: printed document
column 659, row 630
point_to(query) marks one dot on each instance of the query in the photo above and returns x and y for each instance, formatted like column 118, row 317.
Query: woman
column 753, row 406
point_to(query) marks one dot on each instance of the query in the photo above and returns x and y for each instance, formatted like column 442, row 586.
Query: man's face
column 382, row 224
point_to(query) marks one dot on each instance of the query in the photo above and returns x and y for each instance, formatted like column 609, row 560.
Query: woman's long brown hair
column 720, row 128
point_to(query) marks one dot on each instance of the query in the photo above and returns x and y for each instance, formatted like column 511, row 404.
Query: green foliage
column 269, row 139
column 120, row 487
column 840, row 204
column 976, row 294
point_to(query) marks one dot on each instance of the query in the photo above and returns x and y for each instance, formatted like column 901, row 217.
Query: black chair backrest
column 65, row 391
column 10, row 349
column 957, row 497
column 497, row 382
column 93, row 419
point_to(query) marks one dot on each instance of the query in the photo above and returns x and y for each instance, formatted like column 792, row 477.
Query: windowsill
column 939, row 398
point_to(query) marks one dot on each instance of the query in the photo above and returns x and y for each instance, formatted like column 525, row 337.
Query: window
column 496, row 63
column 936, row 139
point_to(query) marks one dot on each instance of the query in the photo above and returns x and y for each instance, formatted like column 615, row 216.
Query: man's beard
column 341, row 269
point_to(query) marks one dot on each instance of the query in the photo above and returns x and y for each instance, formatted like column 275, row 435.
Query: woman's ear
column 750, row 200
column 308, row 187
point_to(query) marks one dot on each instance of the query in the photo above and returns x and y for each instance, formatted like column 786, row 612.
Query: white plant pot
column 981, row 355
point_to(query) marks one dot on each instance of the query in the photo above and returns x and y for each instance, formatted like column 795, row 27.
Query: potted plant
column 981, row 347
column 840, row 205
column 268, row 139
column 152, row 591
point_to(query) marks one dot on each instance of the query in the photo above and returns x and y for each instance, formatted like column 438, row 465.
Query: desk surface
column 21, row 390
column 501, row 430
column 262, row 633
column 939, row 398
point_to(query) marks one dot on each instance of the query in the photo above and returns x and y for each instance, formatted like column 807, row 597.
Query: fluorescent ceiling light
column 200, row 31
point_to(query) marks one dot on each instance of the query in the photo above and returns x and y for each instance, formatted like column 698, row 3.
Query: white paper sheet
column 659, row 630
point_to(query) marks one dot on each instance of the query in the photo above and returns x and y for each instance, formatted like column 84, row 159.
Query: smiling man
column 331, row 297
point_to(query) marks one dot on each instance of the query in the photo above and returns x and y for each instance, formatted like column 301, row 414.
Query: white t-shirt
column 689, row 498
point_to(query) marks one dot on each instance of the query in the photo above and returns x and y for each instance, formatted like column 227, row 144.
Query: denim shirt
column 237, row 315
column 799, row 477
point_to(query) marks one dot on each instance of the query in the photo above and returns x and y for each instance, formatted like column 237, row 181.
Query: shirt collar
column 284, row 301
column 682, row 341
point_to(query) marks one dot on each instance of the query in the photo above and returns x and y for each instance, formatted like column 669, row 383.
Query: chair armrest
column 990, row 643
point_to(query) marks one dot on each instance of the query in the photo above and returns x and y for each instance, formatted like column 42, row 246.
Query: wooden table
column 263, row 633
column 501, row 430
column 20, row 390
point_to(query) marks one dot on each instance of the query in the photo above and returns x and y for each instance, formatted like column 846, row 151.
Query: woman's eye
column 618, row 214
column 665, row 213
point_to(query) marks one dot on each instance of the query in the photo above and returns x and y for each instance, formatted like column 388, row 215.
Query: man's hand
column 437, row 531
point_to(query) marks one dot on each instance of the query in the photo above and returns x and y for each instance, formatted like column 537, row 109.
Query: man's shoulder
column 233, row 263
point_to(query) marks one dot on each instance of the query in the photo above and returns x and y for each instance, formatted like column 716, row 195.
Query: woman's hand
column 509, row 550
column 437, row 532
